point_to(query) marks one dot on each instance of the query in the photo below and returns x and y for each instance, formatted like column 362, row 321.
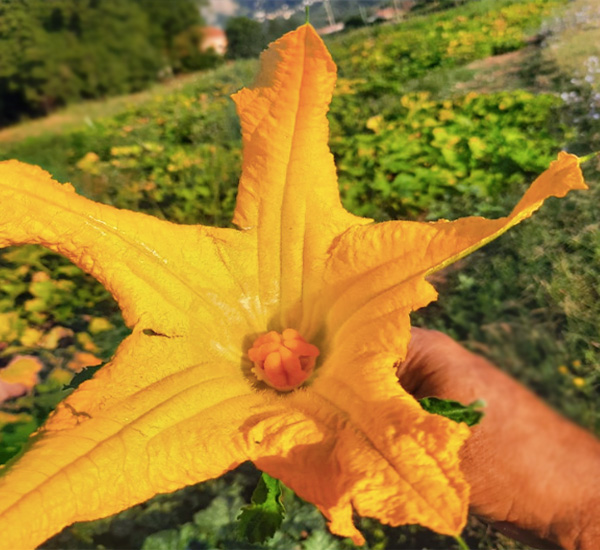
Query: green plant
column 449, row 157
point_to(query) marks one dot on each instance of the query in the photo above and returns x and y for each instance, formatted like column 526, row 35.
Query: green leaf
column 81, row 377
column 469, row 414
column 13, row 438
column 321, row 540
column 260, row 520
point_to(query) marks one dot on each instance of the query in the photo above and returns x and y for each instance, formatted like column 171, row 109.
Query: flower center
column 284, row 361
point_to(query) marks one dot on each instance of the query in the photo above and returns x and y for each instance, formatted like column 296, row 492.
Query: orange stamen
column 284, row 361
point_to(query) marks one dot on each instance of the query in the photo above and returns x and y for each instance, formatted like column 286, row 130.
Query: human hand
column 534, row 475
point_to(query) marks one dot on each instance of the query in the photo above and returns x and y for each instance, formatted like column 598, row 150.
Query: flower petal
column 380, row 269
column 161, row 274
column 191, row 294
column 377, row 277
column 153, row 420
column 381, row 454
column 288, row 191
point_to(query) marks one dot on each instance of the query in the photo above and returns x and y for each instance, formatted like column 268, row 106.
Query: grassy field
column 447, row 115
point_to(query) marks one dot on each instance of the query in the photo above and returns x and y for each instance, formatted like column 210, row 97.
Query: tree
column 169, row 20
column 276, row 28
column 245, row 38
column 53, row 53
column 17, row 34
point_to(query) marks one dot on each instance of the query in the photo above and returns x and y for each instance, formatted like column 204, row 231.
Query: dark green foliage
column 437, row 5
column 245, row 38
column 68, row 49
column 354, row 22
column 261, row 519
column 14, row 436
column 177, row 33
column 469, row 414
column 275, row 28
column 81, row 377
column 204, row 517
column 169, row 19
column 54, row 53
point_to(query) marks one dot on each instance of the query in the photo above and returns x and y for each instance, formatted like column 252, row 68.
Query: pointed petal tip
column 289, row 42
column 563, row 175
column 285, row 135
column 572, row 163
column 341, row 524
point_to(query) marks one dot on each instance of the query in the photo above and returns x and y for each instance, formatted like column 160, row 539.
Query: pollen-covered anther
column 284, row 361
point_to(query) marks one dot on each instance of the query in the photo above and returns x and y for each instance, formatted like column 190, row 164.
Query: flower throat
column 283, row 360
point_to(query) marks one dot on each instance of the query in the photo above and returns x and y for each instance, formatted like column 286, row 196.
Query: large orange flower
column 198, row 388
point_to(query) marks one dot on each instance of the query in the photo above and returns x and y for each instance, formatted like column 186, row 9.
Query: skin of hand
column 534, row 475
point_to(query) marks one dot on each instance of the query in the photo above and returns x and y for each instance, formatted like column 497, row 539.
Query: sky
column 219, row 9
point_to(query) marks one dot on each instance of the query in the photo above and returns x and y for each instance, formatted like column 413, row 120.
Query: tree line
column 248, row 38
column 60, row 51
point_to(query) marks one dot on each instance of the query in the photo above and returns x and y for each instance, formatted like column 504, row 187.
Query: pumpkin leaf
column 261, row 519
column 470, row 414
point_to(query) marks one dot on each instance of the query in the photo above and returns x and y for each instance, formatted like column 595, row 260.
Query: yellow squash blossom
column 274, row 343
